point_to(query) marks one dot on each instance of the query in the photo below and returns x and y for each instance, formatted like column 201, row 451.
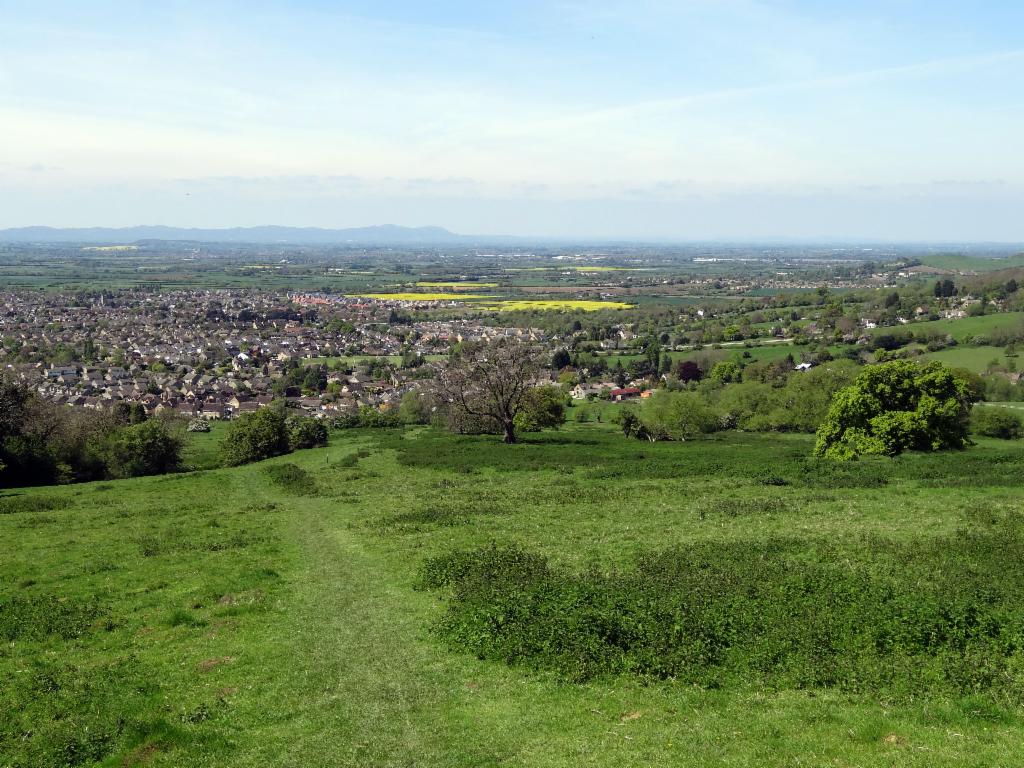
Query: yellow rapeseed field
column 555, row 305
column 496, row 304
column 465, row 286
column 421, row 296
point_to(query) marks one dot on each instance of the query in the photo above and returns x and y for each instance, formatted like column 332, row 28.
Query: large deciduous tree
column 490, row 382
column 894, row 407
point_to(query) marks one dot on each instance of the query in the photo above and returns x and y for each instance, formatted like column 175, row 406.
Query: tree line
column 883, row 409
column 43, row 443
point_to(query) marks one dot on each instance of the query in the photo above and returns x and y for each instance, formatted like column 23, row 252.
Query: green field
column 757, row 353
column 202, row 449
column 260, row 617
column 1011, row 406
column 962, row 328
column 975, row 359
column 960, row 262
column 459, row 285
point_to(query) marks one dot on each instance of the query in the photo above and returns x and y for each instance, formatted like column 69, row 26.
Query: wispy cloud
column 403, row 106
column 926, row 69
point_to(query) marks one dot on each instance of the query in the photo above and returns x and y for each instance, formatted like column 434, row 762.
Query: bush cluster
column 780, row 401
column 902, row 619
column 367, row 417
column 42, row 443
column 997, row 422
column 267, row 433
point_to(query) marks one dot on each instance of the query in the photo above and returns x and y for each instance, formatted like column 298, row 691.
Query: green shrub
column 347, row 461
column 368, row 417
column 581, row 415
column 291, row 478
column 997, row 422
column 677, row 416
column 305, row 432
column 414, row 408
column 942, row 615
column 470, row 570
column 726, row 371
column 255, row 436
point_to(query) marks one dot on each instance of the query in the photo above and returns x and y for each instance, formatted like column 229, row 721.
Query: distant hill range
column 378, row 235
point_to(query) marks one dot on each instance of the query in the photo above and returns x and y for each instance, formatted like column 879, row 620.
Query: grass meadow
column 964, row 328
column 975, row 359
column 275, row 614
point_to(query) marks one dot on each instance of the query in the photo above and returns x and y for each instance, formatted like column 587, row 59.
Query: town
column 218, row 353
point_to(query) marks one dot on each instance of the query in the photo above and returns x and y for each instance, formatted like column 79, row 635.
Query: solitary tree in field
column 490, row 382
column 894, row 407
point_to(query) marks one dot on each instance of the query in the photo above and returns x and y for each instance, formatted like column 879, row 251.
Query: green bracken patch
column 291, row 479
column 939, row 616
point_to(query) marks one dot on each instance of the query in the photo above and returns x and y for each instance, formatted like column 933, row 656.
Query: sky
column 896, row 120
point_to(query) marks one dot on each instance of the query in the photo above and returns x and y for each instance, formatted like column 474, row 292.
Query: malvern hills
column 386, row 233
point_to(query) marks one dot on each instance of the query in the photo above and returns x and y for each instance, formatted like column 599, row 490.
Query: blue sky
column 693, row 119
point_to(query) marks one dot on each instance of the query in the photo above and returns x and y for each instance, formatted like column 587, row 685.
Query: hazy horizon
column 659, row 121
column 397, row 235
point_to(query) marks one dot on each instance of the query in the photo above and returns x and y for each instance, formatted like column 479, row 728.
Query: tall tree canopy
column 895, row 407
column 490, row 382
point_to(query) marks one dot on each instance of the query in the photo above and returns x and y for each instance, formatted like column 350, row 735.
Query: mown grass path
column 360, row 685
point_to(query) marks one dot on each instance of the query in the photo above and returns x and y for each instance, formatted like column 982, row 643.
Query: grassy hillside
column 268, row 615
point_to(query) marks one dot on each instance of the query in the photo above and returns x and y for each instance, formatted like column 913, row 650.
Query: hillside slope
column 267, row 615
